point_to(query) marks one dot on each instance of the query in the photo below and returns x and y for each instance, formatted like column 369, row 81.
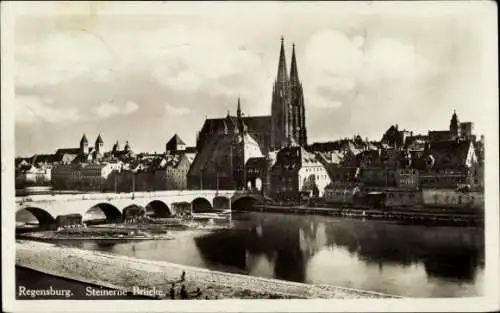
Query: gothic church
column 232, row 140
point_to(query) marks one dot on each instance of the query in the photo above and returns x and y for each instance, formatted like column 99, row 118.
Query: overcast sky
column 144, row 72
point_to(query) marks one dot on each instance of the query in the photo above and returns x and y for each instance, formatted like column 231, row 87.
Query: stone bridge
column 46, row 208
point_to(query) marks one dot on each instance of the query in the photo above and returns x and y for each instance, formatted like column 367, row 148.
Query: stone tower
column 99, row 146
column 84, row 145
column 287, row 107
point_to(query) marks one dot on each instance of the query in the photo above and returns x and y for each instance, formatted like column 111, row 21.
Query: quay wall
column 452, row 198
column 430, row 197
column 123, row 272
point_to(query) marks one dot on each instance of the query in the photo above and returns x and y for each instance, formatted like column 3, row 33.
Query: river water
column 390, row 257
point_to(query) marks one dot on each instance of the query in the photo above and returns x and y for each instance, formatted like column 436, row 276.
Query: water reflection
column 387, row 257
column 409, row 260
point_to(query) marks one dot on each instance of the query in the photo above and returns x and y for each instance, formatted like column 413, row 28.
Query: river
column 389, row 257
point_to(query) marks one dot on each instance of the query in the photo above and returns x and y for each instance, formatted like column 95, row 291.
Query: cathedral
column 224, row 145
column 287, row 123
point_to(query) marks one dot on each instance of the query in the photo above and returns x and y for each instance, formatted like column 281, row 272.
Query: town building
column 395, row 138
column 448, row 164
column 297, row 173
column 257, row 173
column 172, row 174
column 83, row 176
column 33, row 176
column 343, row 186
column 125, row 155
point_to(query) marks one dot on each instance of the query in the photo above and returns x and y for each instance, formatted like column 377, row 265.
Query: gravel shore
column 122, row 272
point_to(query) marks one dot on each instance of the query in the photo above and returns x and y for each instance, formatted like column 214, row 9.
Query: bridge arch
column 43, row 217
column 158, row 208
column 111, row 212
column 201, row 205
column 221, row 203
column 245, row 203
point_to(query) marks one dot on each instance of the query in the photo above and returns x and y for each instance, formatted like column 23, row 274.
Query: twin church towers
column 287, row 106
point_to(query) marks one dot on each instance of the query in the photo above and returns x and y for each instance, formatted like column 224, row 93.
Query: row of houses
column 231, row 155
column 117, row 170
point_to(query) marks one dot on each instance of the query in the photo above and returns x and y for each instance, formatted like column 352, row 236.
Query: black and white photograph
column 310, row 156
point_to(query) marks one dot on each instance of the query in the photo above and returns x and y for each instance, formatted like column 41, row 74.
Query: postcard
column 249, row 156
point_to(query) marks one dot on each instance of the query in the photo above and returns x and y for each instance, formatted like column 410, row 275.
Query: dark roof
column 43, row 158
column 439, row 132
column 84, row 139
column 325, row 146
column 346, row 171
column 411, row 139
column 255, row 124
column 450, row 153
column 258, row 126
column 393, row 136
column 256, row 162
column 176, row 140
column 439, row 135
column 20, row 160
column 68, row 151
column 261, row 124
column 329, row 145
column 214, row 156
column 99, row 139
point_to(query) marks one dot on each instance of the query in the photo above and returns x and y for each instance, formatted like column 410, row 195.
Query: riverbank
column 91, row 233
column 119, row 231
column 125, row 273
column 407, row 214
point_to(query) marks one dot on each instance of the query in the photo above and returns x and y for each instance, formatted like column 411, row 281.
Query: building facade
column 81, row 176
column 33, row 176
column 296, row 174
column 173, row 175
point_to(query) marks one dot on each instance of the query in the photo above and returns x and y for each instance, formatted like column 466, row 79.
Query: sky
column 142, row 72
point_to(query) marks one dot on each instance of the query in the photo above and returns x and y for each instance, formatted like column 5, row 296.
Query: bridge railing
column 142, row 194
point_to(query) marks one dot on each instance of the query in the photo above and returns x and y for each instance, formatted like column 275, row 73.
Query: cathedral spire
column 282, row 72
column 238, row 110
column 294, row 73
